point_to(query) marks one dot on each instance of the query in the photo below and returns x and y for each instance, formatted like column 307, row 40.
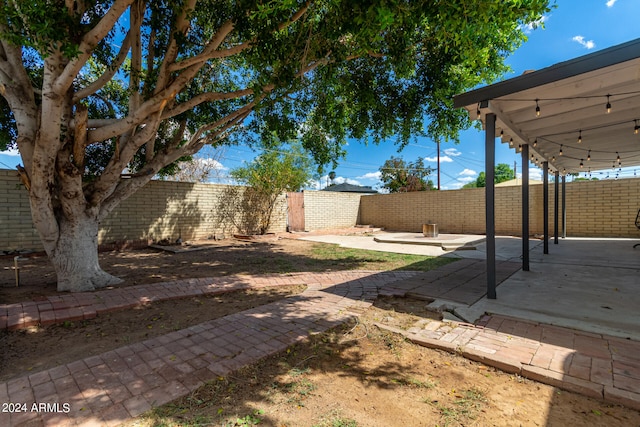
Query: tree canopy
column 502, row 173
column 399, row 176
column 92, row 88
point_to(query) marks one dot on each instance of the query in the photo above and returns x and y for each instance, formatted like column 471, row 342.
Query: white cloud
column 588, row 44
column 468, row 172
column 610, row 3
column 466, row 179
column 452, row 152
column 325, row 181
column 443, row 159
column 211, row 163
column 13, row 152
column 371, row 175
column 535, row 174
column 453, row 186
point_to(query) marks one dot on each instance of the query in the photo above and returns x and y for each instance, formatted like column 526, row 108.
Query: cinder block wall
column 171, row 209
column 594, row 209
column 159, row 210
column 327, row 209
column 168, row 210
column 16, row 226
column 603, row 208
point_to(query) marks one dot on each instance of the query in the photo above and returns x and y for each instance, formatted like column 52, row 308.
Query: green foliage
column 372, row 70
column 274, row 172
column 503, row 172
column 267, row 177
column 399, row 176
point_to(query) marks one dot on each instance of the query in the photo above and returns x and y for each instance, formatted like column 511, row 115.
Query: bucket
column 430, row 230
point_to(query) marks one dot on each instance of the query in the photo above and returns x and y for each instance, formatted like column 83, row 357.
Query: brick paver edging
column 112, row 387
column 87, row 305
column 594, row 365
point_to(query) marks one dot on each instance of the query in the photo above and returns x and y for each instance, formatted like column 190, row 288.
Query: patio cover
column 573, row 117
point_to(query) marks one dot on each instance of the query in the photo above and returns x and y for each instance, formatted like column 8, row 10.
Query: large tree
column 399, row 176
column 94, row 88
column 502, row 173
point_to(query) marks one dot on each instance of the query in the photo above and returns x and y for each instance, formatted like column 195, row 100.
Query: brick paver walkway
column 599, row 366
column 112, row 387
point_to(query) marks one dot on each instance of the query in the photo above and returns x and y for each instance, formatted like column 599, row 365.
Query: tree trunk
column 75, row 256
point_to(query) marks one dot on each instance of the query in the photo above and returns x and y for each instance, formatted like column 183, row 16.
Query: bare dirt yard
column 354, row 375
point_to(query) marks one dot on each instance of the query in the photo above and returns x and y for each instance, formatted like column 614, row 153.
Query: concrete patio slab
column 589, row 284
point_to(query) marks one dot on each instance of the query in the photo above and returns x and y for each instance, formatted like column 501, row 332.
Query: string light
column 580, row 137
column 581, row 163
column 589, row 156
column 535, row 143
column 537, row 109
column 478, row 111
column 553, row 159
column 511, row 142
column 560, row 153
column 618, row 157
column 608, row 104
column 636, row 128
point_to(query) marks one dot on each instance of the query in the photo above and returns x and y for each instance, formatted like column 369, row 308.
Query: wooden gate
column 295, row 209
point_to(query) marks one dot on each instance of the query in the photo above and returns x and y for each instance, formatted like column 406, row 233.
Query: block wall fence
column 159, row 210
column 605, row 208
column 168, row 210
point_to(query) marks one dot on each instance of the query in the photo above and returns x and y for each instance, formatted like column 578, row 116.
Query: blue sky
column 574, row 28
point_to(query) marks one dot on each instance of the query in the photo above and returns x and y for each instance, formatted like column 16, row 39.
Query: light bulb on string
column 636, row 128
column 618, row 157
column 478, row 112
column 581, row 163
column 580, row 137
column 560, row 153
column 589, row 156
column 535, row 143
column 511, row 142
column 537, row 109
column 608, row 104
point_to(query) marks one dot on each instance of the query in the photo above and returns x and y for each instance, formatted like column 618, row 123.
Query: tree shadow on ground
column 228, row 257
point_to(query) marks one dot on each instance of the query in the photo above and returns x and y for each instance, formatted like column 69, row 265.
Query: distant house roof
column 350, row 188
column 517, row 181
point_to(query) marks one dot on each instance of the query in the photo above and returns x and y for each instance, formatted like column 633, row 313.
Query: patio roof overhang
column 572, row 98
column 575, row 116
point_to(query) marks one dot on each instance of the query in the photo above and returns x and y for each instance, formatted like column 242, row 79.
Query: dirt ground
column 356, row 375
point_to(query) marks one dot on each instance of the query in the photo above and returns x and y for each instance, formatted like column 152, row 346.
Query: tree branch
column 181, row 27
column 108, row 74
column 136, row 13
column 205, row 97
column 210, row 52
column 88, row 43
